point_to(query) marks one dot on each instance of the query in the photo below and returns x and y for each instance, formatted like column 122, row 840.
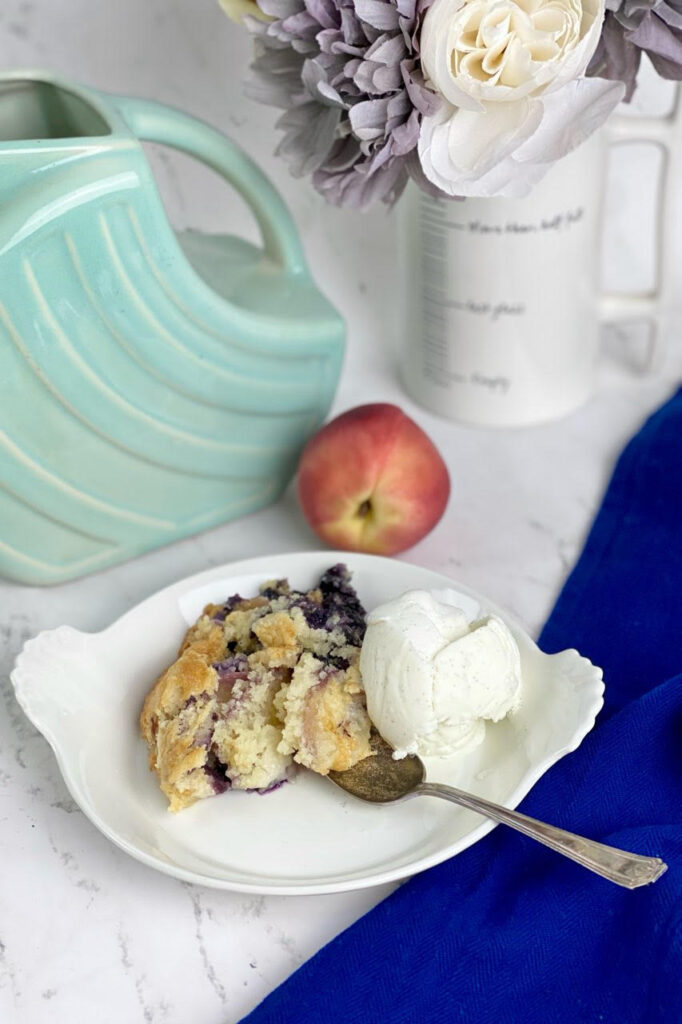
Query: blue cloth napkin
column 509, row 931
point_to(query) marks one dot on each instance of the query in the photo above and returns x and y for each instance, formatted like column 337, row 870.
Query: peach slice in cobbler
column 326, row 727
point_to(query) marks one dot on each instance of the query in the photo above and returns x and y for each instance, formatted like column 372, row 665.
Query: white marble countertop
column 85, row 931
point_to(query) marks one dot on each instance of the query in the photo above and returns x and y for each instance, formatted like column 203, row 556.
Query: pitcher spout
column 38, row 108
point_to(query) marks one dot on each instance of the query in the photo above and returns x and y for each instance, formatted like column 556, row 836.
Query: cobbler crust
column 206, row 638
column 172, row 715
column 261, row 683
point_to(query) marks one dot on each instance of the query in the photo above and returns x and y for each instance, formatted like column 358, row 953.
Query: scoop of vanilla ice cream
column 432, row 678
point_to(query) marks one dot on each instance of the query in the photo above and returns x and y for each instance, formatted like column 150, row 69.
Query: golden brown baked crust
column 206, row 637
column 174, row 711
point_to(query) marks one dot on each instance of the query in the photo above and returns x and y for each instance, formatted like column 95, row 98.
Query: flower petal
column 571, row 115
column 576, row 62
column 654, row 36
column 309, row 132
column 506, row 149
column 378, row 14
column 368, row 119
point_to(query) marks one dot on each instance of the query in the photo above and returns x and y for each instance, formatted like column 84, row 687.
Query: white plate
column 84, row 693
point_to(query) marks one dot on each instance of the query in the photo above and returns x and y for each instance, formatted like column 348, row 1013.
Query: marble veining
column 87, row 933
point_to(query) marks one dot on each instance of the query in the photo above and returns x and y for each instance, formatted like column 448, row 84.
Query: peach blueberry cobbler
column 261, row 684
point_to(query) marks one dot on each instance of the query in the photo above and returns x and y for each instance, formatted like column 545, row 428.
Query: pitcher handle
column 155, row 122
column 621, row 307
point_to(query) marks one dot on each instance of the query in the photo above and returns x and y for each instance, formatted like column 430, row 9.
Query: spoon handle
column 628, row 869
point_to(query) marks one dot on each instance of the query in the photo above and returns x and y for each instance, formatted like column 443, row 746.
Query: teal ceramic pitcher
column 151, row 384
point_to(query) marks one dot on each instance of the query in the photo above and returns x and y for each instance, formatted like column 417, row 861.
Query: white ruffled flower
column 515, row 99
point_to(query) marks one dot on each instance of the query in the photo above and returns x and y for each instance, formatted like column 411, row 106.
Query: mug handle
column 621, row 307
column 155, row 122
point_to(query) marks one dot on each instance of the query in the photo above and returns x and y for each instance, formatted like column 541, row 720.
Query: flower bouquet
column 466, row 97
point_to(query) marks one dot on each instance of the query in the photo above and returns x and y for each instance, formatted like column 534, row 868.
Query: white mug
column 503, row 298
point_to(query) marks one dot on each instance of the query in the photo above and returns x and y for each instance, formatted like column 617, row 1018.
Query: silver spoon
column 380, row 779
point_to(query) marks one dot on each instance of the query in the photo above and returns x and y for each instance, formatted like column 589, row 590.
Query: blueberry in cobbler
column 260, row 685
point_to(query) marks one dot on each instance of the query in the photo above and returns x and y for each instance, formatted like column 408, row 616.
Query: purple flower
column 346, row 73
column 633, row 27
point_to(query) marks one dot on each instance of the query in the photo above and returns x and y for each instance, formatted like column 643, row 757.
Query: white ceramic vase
column 503, row 303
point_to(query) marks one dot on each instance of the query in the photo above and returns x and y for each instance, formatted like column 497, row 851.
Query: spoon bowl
column 381, row 778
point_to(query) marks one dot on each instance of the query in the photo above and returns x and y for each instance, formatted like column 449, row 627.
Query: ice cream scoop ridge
column 432, row 677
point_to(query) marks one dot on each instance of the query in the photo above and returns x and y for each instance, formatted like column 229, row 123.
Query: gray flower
column 633, row 27
column 346, row 73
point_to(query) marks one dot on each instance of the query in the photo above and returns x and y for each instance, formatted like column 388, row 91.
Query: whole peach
column 371, row 480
